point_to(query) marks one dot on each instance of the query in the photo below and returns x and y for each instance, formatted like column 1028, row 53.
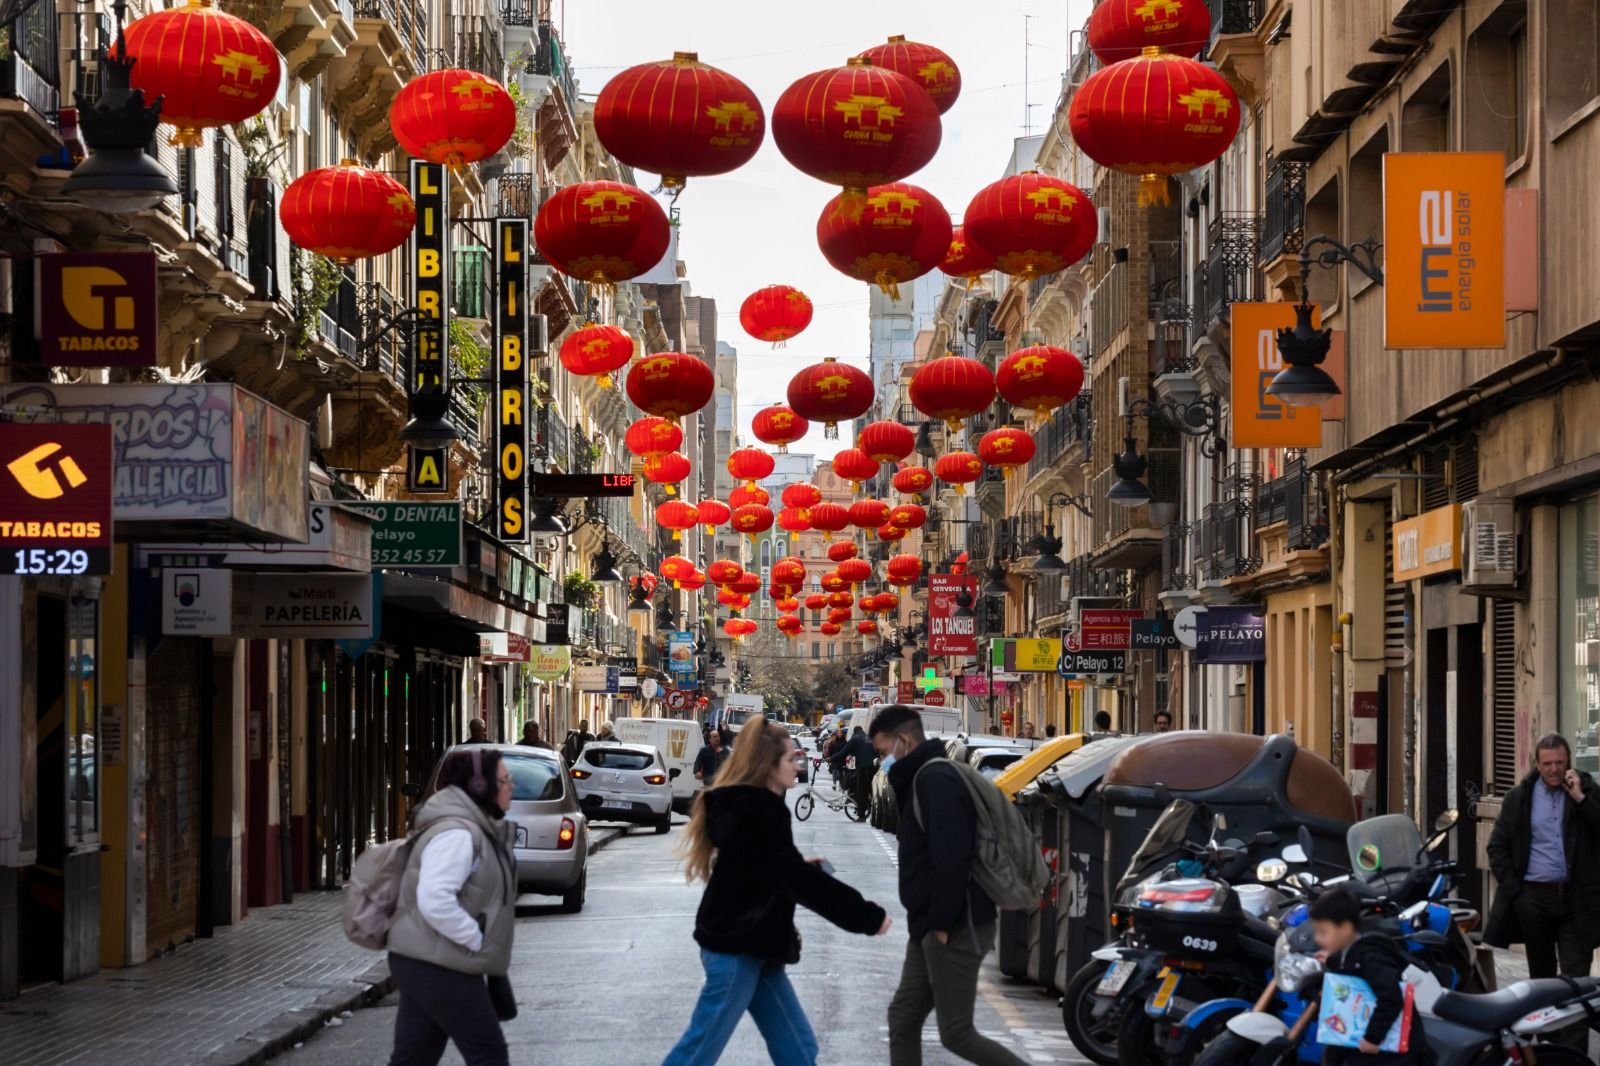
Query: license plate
column 1115, row 978
column 522, row 837
column 1163, row 996
column 623, row 804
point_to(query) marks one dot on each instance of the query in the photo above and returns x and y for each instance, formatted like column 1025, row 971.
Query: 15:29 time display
column 49, row 561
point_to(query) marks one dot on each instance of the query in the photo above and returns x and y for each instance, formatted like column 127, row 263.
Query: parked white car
column 679, row 741
column 624, row 783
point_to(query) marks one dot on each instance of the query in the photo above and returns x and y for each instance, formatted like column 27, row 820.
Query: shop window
column 1579, row 641
column 1496, row 85
column 82, row 706
column 1572, row 51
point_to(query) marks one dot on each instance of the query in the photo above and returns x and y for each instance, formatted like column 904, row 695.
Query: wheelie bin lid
column 1197, row 761
column 1026, row 770
column 1079, row 771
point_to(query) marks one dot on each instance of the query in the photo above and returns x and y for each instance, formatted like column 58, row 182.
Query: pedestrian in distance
column 455, row 916
column 1377, row 960
column 1102, row 721
column 531, row 737
column 608, row 733
column 860, row 778
column 477, row 732
column 1163, row 721
column 739, row 842
column 1027, row 731
column 837, row 754
column 710, row 759
column 1050, row 731
column 951, row 921
column 577, row 740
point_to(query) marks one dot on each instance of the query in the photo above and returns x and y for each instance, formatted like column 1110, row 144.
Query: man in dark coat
column 1545, row 856
column 866, row 757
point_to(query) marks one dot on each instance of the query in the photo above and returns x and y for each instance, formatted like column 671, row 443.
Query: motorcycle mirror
column 1271, row 871
column 1219, row 822
column 1447, row 820
column 1369, row 858
column 1296, row 854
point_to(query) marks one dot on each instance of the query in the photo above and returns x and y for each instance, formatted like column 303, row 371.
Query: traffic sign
column 678, row 700
column 934, row 698
column 1186, row 626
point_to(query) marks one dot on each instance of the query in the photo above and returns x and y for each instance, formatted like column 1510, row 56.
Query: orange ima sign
column 1261, row 420
column 1444, row 238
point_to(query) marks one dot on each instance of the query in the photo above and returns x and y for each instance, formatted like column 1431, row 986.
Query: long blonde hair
column 757, row 750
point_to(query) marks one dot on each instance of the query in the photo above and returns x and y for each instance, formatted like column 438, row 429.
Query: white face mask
column 889, row 759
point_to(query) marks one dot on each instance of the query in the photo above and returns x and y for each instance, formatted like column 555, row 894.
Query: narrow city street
column 616, row 983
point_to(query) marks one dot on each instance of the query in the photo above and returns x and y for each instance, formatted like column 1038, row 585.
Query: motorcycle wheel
column 1228, row 1049
column 1136, row 1036
column 1097, row 1039
column 1186, row 1052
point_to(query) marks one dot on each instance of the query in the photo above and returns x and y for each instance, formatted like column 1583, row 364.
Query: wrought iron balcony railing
column 1233, row 271
column 1234, row 16
column 1069, row 430
column 1297, row 498
column 410, row 22
column 1283, row 224
column 1176, row 574
column 550, row 60
column 30, row 59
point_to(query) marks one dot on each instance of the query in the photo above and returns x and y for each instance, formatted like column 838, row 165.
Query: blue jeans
column 735, row 984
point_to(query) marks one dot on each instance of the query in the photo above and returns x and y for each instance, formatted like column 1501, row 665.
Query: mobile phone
column 825, row 866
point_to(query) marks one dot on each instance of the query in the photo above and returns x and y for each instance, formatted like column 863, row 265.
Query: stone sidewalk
column 241, row 996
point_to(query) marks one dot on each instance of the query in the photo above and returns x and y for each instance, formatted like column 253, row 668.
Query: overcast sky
column 757, row 226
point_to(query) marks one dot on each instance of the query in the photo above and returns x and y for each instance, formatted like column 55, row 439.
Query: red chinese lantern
column 830, row 518
column 653, row 436
column 830, row 629
column 930, row 67
column 1031, row 224
column 453, row 116
column 869, row 604
column 207, row 67
column 786, row 603
column 855, row 466
column 857, row 125
column 750, row 465
column 779, row 425
column 679, row 118
column 965, row 259
column 724, row 572
column 596, row 351
column 816, row 601
column 903, row 570
column 739, row 628
column 866, row 627
column 839, row 551
column 1122, row 29
column 670, row 384
column 714, row 513
column 677, row 516
column 1040, row 377
column 891, row 533
column 959, row 567
column 789, row 625
column 1006, row 447
column 728, row 598
column 1154, row 115
column 694, row 582
column 802, row 495
column 745, row 495
column 793, row 521
column 675, row 568
column 781, row 592
column 746, row 584
column 887, row 601
column 751, row 519
column 913, row 480
column 841, row 601
column 775, row 313
column 830, row 392
column 601, row 231
column 908, row 516
column 855, row 571
column 900, row 234
column 952, row 388
column 347, row 212
column 868, row 515
column 838, row 616
column 789, row 571
column 667, row 470
column 886, row 441
column 959, row 469
column 833, row 581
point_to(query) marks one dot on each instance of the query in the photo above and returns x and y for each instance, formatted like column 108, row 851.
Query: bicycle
column 806, row 802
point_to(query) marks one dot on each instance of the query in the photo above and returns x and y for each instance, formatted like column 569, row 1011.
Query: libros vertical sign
column 428, row 386
column 511, row 377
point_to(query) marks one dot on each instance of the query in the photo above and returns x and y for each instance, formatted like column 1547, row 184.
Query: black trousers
column 438, row 1006
column 1549, row 934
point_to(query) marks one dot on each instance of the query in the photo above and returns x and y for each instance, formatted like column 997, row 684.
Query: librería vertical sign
column 511, row 377
column 428, row 381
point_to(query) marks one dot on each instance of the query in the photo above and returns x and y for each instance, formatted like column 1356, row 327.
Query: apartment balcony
column 310, row 34
column 1235, row 48
column 1129, row 538
column 30, row 88
column 471, row 282
column 1085, row 577
column 390, row 44
column 988, row 341
column 553, row 438
column 478, row 46
column 1283, row 223
column 1232, row 266
column 547, row 78
column 1062, row 442
column 1109, row 310
column 1290, row 523
column 1179, row 586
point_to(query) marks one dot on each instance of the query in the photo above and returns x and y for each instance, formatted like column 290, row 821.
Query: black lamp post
column 963, row 604
column 1130, row 489
column 995, row 585
column 1303, row 382
column 547, row 519
column 605, row 567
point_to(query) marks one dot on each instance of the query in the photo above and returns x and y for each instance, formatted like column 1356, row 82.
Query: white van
column 936, row 721
column 678, row 739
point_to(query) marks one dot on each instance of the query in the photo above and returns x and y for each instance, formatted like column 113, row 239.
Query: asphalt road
column 616, row 983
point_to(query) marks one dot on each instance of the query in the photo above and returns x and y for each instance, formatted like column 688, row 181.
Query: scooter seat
column 1499, row 1010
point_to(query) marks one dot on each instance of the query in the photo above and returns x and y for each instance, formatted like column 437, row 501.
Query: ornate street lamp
column 1130, row 489
column 1303, row 382
column 605, row 567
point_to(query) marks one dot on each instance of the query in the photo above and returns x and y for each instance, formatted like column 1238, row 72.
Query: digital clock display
column 47, row 561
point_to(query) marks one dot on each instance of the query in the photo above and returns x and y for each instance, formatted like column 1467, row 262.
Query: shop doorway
column 42, row 889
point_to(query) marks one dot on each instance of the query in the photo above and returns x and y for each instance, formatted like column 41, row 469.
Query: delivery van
column 678, row 739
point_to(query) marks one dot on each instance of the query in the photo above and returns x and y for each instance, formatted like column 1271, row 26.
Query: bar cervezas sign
column 96, row 308
column 511, row 379
column 55, row 498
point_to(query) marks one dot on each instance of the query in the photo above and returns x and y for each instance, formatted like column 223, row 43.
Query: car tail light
column 581, row 774
column 569, row 833
column 655, row 779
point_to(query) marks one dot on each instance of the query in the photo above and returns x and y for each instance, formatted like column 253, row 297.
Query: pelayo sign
column 1232, row 634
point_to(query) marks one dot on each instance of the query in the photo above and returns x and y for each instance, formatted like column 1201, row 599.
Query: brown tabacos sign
column 55, row 498
column 96, row 308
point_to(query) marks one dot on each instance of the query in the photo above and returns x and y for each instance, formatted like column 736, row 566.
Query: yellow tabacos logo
column 40, row 483
column 83, row 294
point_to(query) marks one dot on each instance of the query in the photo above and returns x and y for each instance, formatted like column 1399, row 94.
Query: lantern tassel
column 888, row 284
column 677, row 534
column 1153, row 191
column 671, row 490
column 850, row 205
column 710, row 529
column 604, row 381
column 187, row 137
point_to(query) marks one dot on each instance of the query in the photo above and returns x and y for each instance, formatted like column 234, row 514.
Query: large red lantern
column 679, row 118
column 670, row 384
column 793, row 521
column 868, row 515
column 887, row 601
column 816, row 601
column 728, row 598
column 453, row 116
column 1040, row 377
column 832, row 582
column 855, row 571
column 839, row 551
column 667, row 470
column 752, row 519
column 854, row 466
column 596, row 351
column 903, row 570
column 746, row 584
column 739, row 628
column 1031, row 224
column 959, row 469
column 347, row 212
column 841, row 601
column 930, row 67
column 775, row 314
column 891, row 532
column 677, row 516
column 913, row 480
column 886, row 441
column 1154, row 115
column 900, row 234
column 745, row 495
column 602, row 231
column 908, row 516
column 961, row 563
column 964, row 259
column 856, row 126
column 693, row 582
column 869, row 604
column 837, row 617
column 676, row 568
column 1122, row 29
column 830, row 518
column 713, row 513
column 789, row 571
column 830, row 392
column 750, row 465
column 780, row 426
column 209, row 68
column 802, row 495
column 724, row 572
column 866, row 627
column 789, row 625
column 830, row 629
column 1007, row 448
column 653, row 436
column 952, row 388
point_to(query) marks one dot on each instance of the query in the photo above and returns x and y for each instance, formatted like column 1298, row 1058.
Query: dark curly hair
column 457, row 769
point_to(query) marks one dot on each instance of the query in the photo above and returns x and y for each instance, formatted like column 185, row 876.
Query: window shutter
column 1503, row 695
column 1396, row 599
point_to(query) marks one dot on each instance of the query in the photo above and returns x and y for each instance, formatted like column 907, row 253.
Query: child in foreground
column 1379, row 962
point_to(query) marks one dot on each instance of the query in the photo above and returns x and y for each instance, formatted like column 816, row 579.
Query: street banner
column 680, row 651
column 627, row 671
column 550, row 661
column 428, row 376
column 1233, row 633
column 511, row 378
column 1444, row 243
column 1261, row 420
column 1102, row 629
column 504, row 648
column 949, row 634
column 1428, row 544
column 906, row 692
column 1024, row 655
column 1148, row 634
column 557, row 623
column 55, row 498
column 413, row 535
column 96, row 308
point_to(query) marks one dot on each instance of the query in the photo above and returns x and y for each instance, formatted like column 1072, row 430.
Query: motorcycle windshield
column 1159, row 844
column 1382, row 845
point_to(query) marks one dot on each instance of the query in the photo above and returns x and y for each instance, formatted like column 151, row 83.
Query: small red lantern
column 786, row 603
column 750, row 465
column 1040, row 377
column 453, row 116
column 751, row 519
column 891, row 533
column 793, row 521
column 729, row 599
column 745, row 495
column 347, row 212
column 724, row 572
column 900, row 234
column 904, row 570
column 670, row 384
column 963, row 560
column 1123, row 29
column 714, row 513
column 667, row 470
column 746, row 584
column 866, row 627
column 888, row 601
column 789, row 571
column 789, row 625
column 838, row 616
column 830, row 629
column 207, row 68
column 602, row 231
column 855, row 466
column 841, row 601
column 830, row 518
column 959, row 469
column 816, row 601
column 1154, row 115
column 868, row 515
column 596, row 351
column 739, row 628
column 694, row 582
column 1007, row 448
column 930, row 67
column 653, row 436
column 952, row 388
column 833, row 581
column 781, row 592
column 965, row 259
column 886, row 441
column 908, row 516
column 841, row 550
column 679, row 118
column 830, row 392
column 1031, row 224
column 913, row 480
column 675, row 568
column 802, row 495
column 855, row 571
column 775, row 313
column 869, row 603
column 780, row 426
column 677, row 516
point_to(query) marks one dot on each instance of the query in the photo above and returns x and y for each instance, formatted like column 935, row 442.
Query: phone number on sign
column 410, row 556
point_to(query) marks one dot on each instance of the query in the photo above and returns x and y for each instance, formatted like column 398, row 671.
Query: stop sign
column 934, row 698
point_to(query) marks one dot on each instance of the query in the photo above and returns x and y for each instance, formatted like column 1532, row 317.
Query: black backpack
column 572, row 747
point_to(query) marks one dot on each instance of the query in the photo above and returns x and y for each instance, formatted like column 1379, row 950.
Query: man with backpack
column 577, row 740
column 965, row 853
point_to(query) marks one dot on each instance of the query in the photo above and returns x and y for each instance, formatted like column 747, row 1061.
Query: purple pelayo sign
column 1232, row 634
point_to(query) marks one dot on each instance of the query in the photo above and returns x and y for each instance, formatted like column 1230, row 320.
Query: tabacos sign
column 55, row 498
column 96, row 308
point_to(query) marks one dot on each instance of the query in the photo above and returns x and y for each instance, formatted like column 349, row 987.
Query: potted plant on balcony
column 578, row 590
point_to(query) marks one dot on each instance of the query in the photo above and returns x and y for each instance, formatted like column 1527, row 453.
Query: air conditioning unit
column 1489, row 546
column 538, row 335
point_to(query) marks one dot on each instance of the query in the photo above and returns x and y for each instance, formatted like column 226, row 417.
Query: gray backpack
column 1006, row 862
column 373, row 891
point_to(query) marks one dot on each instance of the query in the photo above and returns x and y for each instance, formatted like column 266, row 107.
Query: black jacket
column 1512, row 839
column 748, row 906
column 1379, row 962
column 936, row 883
column 864, row 753
column 708, row 762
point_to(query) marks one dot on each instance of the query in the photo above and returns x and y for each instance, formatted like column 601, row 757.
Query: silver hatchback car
column 625, row 783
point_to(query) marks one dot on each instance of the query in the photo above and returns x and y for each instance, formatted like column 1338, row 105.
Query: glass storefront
column 1580, row 630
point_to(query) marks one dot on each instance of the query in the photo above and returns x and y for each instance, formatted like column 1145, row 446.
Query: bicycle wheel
column 855, row 810
column 803, row 805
